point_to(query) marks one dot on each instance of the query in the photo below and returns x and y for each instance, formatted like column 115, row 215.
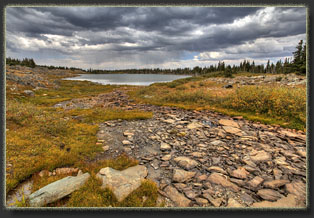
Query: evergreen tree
column 299, row 59
column 228, row 71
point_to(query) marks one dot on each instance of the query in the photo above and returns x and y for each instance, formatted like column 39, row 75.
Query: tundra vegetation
column 42, row 137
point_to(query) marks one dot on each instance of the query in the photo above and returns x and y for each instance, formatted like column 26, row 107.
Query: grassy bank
column 269, row 104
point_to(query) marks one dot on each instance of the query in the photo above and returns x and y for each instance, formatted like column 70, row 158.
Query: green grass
column 280, row 103
column 40, row 138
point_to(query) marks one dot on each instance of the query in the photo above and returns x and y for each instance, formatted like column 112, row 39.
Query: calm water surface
column 128, row 79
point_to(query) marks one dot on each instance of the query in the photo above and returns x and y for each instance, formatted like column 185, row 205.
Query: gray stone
column 57, row 190
column 122, row 183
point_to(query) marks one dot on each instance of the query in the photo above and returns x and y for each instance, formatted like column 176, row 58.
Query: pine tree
column 299, row 59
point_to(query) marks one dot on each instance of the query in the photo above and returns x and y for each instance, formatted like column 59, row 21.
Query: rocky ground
column 35, row 77
column 281, row 79
column 206, row 159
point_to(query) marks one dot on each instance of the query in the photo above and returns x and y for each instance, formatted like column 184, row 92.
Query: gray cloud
column 139, row 36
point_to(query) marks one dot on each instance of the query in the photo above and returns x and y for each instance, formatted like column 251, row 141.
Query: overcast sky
column 151, row 37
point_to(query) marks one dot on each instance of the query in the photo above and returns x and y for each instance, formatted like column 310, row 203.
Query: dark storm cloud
column 150, row 34
column 64, row 21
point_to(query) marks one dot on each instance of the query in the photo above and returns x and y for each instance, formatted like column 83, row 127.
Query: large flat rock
column 122, row 183
column 57, row 190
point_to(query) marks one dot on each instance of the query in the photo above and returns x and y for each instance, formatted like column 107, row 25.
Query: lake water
column 128, row 79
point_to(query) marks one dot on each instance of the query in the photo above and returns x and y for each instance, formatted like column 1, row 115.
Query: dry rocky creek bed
column 206, row 159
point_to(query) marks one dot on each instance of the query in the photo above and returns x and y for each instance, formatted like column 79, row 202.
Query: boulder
column 57, row 190
column 122, row 183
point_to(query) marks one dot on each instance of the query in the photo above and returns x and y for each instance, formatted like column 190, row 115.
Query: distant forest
column 295, row 65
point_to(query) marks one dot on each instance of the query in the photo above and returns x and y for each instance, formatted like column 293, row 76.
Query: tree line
column 28, row 62
column 297, row 65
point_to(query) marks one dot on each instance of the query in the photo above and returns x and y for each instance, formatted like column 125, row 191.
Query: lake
column 128, row 79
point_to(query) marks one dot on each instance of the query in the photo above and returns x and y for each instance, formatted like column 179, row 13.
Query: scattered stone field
column 206, row 159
